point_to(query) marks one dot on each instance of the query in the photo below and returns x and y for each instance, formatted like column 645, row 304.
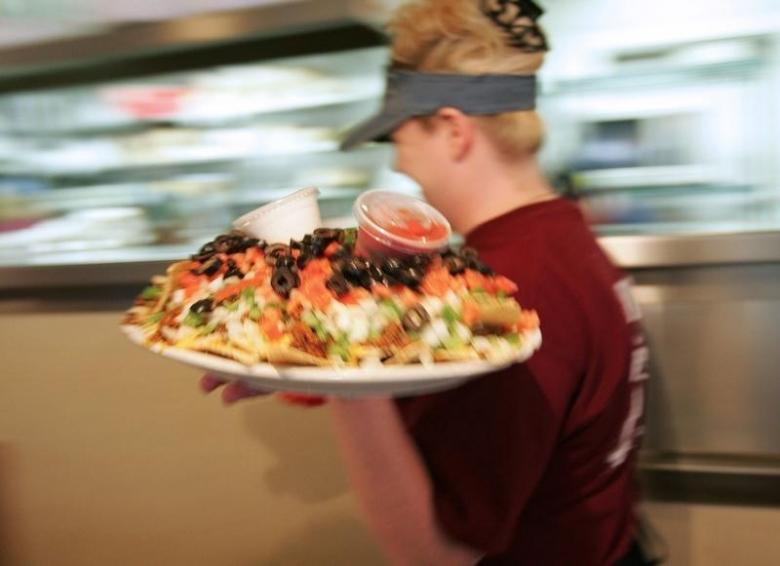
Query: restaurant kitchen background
column 130, row 135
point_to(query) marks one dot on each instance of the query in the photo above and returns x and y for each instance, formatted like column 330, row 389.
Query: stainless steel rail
column 629, row 252
column 290, row 28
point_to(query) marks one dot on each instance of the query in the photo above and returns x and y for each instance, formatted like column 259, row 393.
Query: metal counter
column 129, row 266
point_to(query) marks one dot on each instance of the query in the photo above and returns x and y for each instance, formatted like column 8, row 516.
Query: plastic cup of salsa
column 395, row 224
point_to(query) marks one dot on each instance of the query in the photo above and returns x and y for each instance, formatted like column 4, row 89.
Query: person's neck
column 502, row 188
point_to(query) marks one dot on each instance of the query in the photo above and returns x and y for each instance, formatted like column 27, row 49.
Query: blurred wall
column 110, row 455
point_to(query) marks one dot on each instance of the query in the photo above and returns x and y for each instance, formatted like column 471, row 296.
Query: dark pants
column 635, row 557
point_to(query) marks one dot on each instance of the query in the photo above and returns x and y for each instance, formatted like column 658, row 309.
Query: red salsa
column 415, row 227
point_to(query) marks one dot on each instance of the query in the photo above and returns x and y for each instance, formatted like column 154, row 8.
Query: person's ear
column 459, row 130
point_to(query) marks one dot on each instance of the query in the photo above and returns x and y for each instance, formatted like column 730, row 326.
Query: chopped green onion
column 154, row 318
column 150, row 293
column 479, row 294
column 248, row 295
column 193, row 319
column 450, row 316
column 390, row 309
column 209, row 328
column 350, row 236
column 453, row 343
column 340, row 348
column 309, row 319
column 255, row 313
column 513, row 338
column 322, row 334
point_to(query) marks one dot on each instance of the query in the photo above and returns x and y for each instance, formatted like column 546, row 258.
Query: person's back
column 538, row 467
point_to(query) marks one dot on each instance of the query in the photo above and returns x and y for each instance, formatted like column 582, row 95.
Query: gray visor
column 410, row 94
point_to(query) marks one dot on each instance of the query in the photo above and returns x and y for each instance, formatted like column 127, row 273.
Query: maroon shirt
column 534, row 464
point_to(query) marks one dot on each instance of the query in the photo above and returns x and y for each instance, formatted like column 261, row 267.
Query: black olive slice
column 420, row 260
column 358, row 278
column 337, row 284
column 303, row 259
column 317, row 246
column 391, row 266
column 376, row 273
column 410, row 276
column 342, row 253
column 477, row 265
column 287, row 261
column 455, row 265
column 204, row 306
column 484, row 329
column 415, row 318
column 233, row 270
column 274, row 251
column 284, row 280
column 468, row 253
column 447, row 252
column 211, row 267
column 327, row 234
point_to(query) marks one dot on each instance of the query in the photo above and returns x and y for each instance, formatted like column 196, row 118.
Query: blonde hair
column 456, row 36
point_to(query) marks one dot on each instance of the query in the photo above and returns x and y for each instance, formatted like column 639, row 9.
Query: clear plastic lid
column 401, row 219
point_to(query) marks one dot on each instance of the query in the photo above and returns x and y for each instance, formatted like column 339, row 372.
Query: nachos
column 314, row 302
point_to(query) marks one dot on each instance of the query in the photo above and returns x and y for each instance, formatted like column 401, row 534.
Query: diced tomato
column 268, row 294
column 354, row 296
column 189, row 279
column 381, row 291
column 473, row 279
column 271, row 324
column 232, row 290
column 469, row 311
column 241, row 261
column 317, row 267
column 437, row 282
column 332, row 248
column 295, row 302
column 315, row 290
column 529, row 320
column 190, row 291
column 253, row 254
column 408, row 297
column 505, row 284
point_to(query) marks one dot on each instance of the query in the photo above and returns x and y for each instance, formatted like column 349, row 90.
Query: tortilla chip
column 408, row 354
column 136, row 315
column 170, row 282
column 287, row 355
column 506, row 312
column 460, row 355
column 221, row 348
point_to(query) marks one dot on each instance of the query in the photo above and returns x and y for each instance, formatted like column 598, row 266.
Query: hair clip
column 518, row 19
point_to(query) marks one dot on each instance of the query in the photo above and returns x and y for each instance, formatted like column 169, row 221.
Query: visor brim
column 375, row 129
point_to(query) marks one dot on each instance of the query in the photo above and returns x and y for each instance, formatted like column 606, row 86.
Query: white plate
column 411, row 379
